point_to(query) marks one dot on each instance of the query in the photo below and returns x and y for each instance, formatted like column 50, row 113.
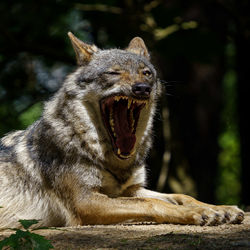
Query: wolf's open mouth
column 120, row 115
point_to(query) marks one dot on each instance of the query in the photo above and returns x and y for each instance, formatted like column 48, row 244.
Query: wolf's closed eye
column 112, row 73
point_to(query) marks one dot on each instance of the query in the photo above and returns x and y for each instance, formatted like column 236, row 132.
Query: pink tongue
column 125, row 139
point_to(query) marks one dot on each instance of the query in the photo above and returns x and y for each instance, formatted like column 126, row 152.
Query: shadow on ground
column 149, row 236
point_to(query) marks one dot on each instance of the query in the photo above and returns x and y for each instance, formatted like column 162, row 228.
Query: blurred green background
column 201, row 48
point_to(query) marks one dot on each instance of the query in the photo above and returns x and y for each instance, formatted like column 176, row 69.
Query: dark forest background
column 201, row 48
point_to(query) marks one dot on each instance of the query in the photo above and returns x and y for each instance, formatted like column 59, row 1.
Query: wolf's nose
column 141, row 89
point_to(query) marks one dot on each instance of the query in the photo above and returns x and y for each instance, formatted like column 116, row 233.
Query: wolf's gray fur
column 88, row 149
column 71, row 139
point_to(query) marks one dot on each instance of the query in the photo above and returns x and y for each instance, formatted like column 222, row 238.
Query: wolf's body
column 82, row 162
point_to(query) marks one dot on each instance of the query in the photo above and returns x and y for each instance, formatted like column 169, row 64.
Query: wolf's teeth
column 119, row 97
column 129, row 103
column 140, row 101
column 112, row 123
column 118, row 151
column 111, row 120
column 131, row 100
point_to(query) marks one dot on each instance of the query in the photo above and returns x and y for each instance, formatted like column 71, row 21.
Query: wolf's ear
column 84, row 51
column 138, row 47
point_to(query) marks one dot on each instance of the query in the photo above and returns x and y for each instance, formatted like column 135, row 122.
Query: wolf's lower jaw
column 124, row 157
column 120, row 115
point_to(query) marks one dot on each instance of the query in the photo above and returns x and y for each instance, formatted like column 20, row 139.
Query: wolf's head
column 121, row 86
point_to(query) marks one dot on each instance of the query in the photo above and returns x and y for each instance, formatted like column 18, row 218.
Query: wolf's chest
column 114, row 188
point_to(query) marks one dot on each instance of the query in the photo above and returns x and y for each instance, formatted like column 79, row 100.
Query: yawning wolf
column 83, row 161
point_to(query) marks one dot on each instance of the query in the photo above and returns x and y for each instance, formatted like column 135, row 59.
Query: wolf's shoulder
column 8, row 144
column 10, row 139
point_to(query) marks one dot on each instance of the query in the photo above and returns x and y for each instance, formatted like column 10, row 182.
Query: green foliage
column 229, row 186
column 30, row 115
column 27, row 223
column 25, row 240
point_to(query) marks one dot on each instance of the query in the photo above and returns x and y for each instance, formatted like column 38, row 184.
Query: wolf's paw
column 205, row 216
column 218, row 215
column 202, row 216
column 231, row 214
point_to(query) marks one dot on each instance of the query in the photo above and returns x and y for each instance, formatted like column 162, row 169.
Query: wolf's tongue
column 125, row 139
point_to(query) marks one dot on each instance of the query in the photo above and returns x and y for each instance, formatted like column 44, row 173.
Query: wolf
column 83, row 161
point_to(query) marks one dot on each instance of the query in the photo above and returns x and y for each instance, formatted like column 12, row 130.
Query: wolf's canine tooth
column 129, row 103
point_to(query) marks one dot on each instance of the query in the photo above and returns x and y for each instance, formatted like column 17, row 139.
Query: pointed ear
column 84, row 51
column 138, row 47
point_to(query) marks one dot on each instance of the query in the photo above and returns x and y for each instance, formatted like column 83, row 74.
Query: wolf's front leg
column 100, row 209
column 224, row 214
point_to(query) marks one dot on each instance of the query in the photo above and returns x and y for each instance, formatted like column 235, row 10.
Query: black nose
column 141, row 89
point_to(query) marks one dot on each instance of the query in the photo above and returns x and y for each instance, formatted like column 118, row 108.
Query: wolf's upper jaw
column 120, row 115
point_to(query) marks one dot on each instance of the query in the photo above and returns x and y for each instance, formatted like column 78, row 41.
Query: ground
column 149, row 236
